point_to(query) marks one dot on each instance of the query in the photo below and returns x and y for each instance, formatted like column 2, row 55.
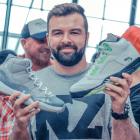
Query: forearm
column 19, row 134
column 124, row 130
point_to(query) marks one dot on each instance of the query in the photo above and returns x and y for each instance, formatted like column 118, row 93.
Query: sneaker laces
column 39, row 84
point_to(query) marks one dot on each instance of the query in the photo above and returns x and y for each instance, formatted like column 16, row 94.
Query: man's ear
column 23, row 41
column 87, row 38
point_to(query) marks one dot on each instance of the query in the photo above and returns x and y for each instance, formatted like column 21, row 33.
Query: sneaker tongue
column 9, row 57
column 19, row 64
column 112, row 38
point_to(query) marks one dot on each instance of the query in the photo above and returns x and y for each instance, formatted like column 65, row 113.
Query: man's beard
column 68, row 59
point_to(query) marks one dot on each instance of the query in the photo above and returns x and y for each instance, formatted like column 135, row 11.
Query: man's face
column 67, row 39
column 37, row 51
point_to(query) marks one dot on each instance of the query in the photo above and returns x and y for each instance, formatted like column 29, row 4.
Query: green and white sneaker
column 114, row 57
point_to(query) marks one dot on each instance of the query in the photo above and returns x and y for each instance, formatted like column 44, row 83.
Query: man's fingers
column 34, row 112
column 128, row 77
column 27, row 117
column 31, row 108
column 13, row 97
column 127, row 80
column 124, row 83
column 22, row 120
column 117, row 81
column 113, row 88
column 20, row 101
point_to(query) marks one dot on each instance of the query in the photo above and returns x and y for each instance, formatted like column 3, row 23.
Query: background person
column 33, row 40
column 34, row 43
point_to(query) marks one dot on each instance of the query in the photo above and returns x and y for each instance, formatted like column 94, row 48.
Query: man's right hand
column 22, row 115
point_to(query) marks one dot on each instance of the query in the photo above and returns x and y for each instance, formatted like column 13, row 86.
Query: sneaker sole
column 128, row 69
column 6, row 90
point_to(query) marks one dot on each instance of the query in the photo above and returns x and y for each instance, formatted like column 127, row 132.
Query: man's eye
column 57, row 33
column 75, row 33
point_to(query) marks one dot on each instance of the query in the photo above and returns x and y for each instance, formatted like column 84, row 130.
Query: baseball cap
column 36, row 29
column 4, row 54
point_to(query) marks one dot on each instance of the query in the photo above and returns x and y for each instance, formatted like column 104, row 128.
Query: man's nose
column 66, row 39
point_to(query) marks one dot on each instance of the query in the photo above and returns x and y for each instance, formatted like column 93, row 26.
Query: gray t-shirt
column 84, row 118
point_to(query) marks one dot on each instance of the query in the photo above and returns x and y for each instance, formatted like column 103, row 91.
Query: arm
column 19, row 133
column 119, row 91
column 124, row 130
column 22, row 117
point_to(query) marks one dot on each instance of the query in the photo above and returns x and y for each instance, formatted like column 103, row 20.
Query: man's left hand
column 119, row 90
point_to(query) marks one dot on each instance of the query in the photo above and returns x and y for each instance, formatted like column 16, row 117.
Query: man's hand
column 22, row 116
column 119, row 90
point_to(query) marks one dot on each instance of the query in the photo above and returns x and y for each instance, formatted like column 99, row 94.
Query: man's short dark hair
column 67, row 9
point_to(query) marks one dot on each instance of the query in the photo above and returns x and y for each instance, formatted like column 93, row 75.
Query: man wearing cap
column 33, row 40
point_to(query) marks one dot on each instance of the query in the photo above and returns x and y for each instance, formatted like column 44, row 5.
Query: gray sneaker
column 114, row 57
column 16, row 75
